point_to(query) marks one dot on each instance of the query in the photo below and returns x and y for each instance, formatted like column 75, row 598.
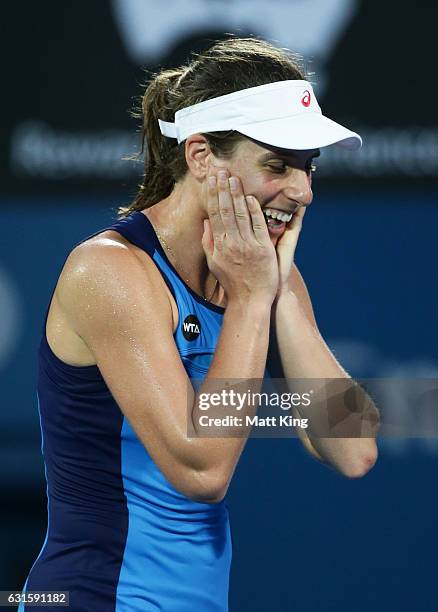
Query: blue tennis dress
column 120, row 537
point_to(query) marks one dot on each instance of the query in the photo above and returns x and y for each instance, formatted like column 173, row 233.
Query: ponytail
column 158, row 178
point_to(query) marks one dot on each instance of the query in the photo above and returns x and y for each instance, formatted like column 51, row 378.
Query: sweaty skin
column 277, row 178
column 112, row 307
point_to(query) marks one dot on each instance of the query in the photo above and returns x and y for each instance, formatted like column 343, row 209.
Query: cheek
column 259, row 185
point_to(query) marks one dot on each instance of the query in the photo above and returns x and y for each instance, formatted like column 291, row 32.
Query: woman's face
column 280, row 179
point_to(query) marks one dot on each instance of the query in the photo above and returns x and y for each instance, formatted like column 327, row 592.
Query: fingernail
column 222, row 174
column 233, row 182
column 212, row 181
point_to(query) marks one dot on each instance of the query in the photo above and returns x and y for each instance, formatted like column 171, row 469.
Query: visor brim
column 302, row 132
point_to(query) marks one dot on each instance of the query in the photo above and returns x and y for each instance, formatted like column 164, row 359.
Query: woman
column 185, row 285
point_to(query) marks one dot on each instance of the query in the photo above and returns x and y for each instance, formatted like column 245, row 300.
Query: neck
column 178, row 219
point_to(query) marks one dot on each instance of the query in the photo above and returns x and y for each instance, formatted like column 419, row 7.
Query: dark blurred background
column 304, row 538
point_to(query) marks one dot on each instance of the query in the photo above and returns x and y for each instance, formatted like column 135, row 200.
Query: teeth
column 275, row 214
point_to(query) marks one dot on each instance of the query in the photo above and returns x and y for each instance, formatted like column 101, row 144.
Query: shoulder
column 106, row 246
column 105, row 278
column 110, row 257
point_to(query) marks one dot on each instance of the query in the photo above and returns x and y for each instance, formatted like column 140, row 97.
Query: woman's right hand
column 236, row 242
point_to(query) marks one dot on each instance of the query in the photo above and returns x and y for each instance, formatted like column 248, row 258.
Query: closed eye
column 278, row 168
column 279, row 165
column 281, row 168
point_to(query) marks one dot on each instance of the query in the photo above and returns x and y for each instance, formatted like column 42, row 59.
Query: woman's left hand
column 285, row 248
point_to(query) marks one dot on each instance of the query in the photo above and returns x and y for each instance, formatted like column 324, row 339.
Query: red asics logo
column 305, row 100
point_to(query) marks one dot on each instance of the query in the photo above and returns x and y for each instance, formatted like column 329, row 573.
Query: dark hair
column 228, row 66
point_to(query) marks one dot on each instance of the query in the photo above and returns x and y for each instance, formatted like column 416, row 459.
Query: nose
column 299, row 187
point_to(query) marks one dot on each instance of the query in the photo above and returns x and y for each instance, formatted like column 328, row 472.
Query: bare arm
column 304, row 354
column 117, row 305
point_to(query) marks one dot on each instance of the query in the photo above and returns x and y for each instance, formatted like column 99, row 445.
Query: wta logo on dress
column 191, row 327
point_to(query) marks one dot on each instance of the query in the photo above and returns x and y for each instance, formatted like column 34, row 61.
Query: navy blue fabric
column 87, row 510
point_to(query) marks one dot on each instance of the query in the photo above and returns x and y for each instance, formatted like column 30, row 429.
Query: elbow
column 207, row 487
column 360, row 465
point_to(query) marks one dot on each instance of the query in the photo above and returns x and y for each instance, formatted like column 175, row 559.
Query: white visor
column 283, row 114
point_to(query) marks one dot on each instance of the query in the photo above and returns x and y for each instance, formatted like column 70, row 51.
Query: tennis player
column 186, row 284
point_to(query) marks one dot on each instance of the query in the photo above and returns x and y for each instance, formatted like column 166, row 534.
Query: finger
column 226, row 206
column 207, row 239
column 293, row 227
column 259, row 227
column 298, row 216
column 243, row 218
column 287, row 244
column 217, row 227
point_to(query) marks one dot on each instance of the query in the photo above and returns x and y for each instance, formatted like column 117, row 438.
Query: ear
column 198, row 155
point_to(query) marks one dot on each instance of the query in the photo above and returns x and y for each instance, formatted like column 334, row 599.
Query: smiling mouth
column 271, row 213
column 276, row 219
